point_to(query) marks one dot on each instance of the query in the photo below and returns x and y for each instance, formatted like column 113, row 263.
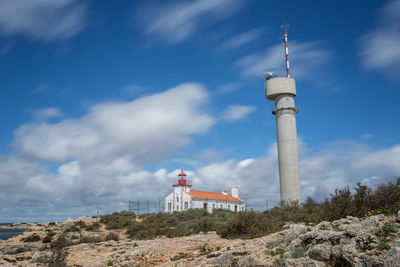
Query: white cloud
column 42, row 88
column 82, row 187
column 305, row 59
column 134, row 89
column 236, row 112
column 379, row 47
column 228, row 88
column 46, row 113
column 42, row 19
column 174, row 23
column 101, row 158
column 241, row 39
column 321, row 173
column 147, row 129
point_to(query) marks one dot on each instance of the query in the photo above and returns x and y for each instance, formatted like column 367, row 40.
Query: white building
column 184, row 198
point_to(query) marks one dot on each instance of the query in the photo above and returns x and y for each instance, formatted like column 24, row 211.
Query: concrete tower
column 282, row 90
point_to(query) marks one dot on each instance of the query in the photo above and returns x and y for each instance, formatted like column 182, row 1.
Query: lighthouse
column 282, row 90
column 183, row 198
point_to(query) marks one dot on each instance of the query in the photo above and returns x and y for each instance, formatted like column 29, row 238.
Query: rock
column 345, row 242
column 324, row 226
column 394, row 251
column 17, row 249
column 259, row 258
column 320, row 252
column 365, row 241
column 294, row 231
column 42, row 257
column 304, row 262
column 317, row 237
column 371, row 222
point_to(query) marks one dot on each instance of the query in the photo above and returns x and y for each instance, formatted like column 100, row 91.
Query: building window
column 205, row 205
column 229, row 207
column 177, row 199
column 242, row 208
column 169, row 206
column 221, row 206
column 186, row 205
column 213, row 206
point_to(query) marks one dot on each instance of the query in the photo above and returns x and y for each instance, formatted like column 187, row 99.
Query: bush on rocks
column 112, row 236
column 31, row 238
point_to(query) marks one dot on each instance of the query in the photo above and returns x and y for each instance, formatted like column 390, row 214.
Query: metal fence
column 146, row 206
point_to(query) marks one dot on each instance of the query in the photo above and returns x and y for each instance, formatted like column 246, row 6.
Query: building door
column 235, row 208
column 205, row 205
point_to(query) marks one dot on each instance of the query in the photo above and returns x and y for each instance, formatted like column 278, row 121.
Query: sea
column 6, row 233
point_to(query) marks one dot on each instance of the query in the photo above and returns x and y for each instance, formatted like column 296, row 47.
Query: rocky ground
column 372, row 241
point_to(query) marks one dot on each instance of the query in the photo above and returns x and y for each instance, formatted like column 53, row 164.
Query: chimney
column 235, row 191
column 224, row 192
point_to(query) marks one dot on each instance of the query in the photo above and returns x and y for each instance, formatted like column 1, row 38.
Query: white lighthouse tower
column 282, row 90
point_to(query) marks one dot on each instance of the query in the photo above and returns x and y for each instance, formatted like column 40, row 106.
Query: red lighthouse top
column 182, row 179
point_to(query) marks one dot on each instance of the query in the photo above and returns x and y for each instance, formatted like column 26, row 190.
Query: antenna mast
column 285, row 26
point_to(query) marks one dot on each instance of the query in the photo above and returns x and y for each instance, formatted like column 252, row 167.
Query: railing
column 182, row 182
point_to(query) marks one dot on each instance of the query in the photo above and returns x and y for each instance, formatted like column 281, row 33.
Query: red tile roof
column 213, row 196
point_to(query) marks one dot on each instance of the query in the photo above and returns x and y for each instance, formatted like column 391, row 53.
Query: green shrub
column 92, row 227
column 297, row 253
column 89, row 239
column 278, row 251
column 47, row 239
column 388, row 229
column 60, row 242
column 118, row 220
column 112, row 236
column 178, row 257
column 80, row 224
column 31, row 238
column 383, row 245
column 203, row 248
column 51, row 233
column 109, row 263
column 72, row 228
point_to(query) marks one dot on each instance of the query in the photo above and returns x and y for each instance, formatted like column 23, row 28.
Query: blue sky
column 103, row 102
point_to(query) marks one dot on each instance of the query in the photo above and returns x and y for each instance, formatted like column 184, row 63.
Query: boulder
column 320, row 252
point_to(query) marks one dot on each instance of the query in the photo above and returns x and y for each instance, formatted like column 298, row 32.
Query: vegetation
column 278, row 251
column 118, row 220
column 60, row 242
column 89, row 239
column 47, row 239
column 298, row 253
column 383, row 245
column 92, row 227
column 361, row 202
column 112, row 236
column 179, row 256
column 72, row 228
column 31, row 238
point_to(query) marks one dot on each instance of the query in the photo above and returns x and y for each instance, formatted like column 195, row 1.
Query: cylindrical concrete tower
column 282, row 90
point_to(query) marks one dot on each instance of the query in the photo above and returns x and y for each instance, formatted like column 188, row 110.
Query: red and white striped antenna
column 285, row 26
